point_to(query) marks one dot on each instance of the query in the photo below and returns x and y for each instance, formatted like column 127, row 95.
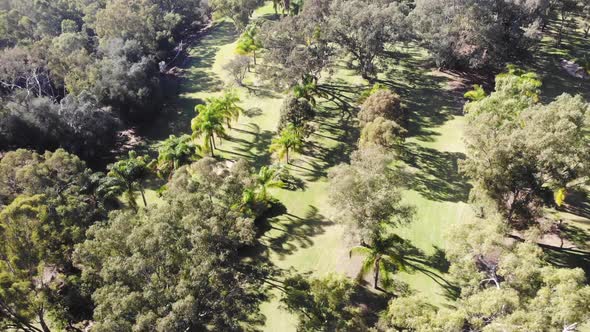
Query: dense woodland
column 84, row 248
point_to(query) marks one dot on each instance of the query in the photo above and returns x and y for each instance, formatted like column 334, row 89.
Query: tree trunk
column 211, row 144
column 142, row 195
column 254, row 56
column 287, row 155
column 42, row 322
column 376, row 275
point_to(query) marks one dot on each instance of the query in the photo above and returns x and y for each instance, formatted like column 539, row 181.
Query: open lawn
column 305, row 237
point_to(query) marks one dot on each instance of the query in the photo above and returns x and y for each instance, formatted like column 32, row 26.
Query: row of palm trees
column 218, row 113
column 213, row 117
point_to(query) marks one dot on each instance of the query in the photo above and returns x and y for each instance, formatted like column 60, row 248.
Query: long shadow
column 433, row 266
column 195, row 76
column 546, row 62
column 437, row 176
column 343, row 136
column 255, row 150
column 291, row 232
column 577, row 203
column 568, row 258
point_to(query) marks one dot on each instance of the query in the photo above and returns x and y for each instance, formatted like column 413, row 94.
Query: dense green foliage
column 69, row 70
column 366, row 193
column 504, row 286
column 326, row 86
column 323, row 304
column 177, row 266
column 516, row 150
column 48, row 201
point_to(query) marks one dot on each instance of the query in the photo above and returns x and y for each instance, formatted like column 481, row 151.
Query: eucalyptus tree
column 362, row 28
column 515, row 150
column 504, row 286
column 297, row 47
column 323, row 304
column 471, row 34
column 193, row 276
column 47, row 203
column 366, row 193
column 239, row 11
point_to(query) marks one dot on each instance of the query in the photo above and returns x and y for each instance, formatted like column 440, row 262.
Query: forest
column 295, row 165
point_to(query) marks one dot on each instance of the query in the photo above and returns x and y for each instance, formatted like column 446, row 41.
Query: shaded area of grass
column 301, row 235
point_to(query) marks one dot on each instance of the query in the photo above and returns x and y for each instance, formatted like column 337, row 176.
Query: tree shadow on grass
column 576, row 202
column 428, row 104
column 568, row 258
column 437, row 177
column 580, row 237
column 254, row 149
column 434, row 266
column 289, row 232
column 331, row 144
column 547, row 59
column 370, row 303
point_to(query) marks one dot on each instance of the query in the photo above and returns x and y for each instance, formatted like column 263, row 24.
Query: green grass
column 306, row 238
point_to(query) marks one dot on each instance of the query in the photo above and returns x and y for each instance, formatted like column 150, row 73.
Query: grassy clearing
column 306, row 238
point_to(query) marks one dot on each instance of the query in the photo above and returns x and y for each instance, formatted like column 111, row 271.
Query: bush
column 383, row 103
column 238, row 67
column 296, row 111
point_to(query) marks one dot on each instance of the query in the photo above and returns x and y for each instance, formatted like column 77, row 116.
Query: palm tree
column 249, row 42
column 207, row 124
column 175, row 152
column 290, row 139
column 267, row 177
column 228, row 106
column 380, row 257
column 129, row 173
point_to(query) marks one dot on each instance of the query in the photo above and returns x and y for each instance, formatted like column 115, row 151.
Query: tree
column 207, row 124
column 296, row 47
column 177, row 265
column 364, row 33
column 565, row 10
column 514, row 150
column 585, row 6
column 295, row 111
column 365, row 193
column 382, row 132
column 238, row 67
column 380, row 257
column 239, row 11
column 47, row 204
column 504, row 286
column 21, row 299
column 382, row 103
column 290, row 139
column 322, row 304
column 227, row 105
column 175, row 152
column 131, row 172
column 469, row 34
column 267, row 177
column 249, row 43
